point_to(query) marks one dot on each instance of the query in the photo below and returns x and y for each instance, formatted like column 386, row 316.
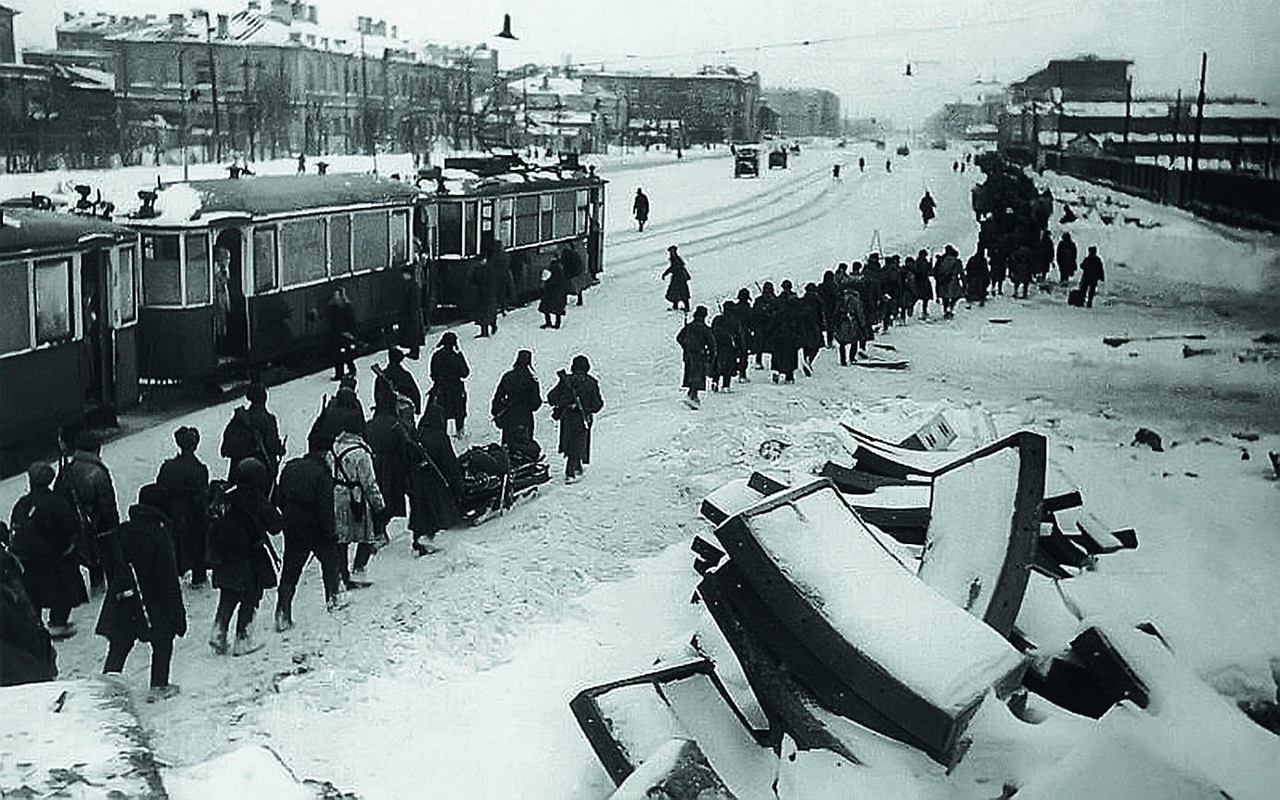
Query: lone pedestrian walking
column 574, row 401
column 640, row 208
column 448, row 371
column 1091, row 274
column 678, row 287
column 698, row 350
column 927, row 207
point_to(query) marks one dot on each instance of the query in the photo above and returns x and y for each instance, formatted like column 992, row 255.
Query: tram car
column 238, row 273
column 474, row 205
column 68, row 327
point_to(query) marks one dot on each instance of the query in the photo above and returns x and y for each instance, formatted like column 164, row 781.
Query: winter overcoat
column 698, row 347
column 448, row 370
column 393, row 457
column 44, row 529
column 487, row 283
column 185, row 480
column 516, row 398
column 333, row 417
column 678, row 288
column 977, row 276
column 409, row 327
column 145, row 543
column 304, row 497
column 435, row 481
column 784, row 340
column 1091, row 270
column 576, row 400
column 356, row 496
column 575, row 272
column 1022, row 265
column 728, row 338
column 26, row 651
column 341, row 329
column 238, row 543
column 950, row 278
column 400, row 381
column 1066, row 258
column 852, row 325
column 920, row 279
column 85, row 482
column 555, row 289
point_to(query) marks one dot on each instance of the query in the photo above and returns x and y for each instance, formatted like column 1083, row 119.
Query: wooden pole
column 1195, row 145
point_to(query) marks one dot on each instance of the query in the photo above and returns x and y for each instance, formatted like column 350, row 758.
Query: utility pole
column 213, row 88
column 1177, row 125
column 182, row 99
column 1195, row 145
column 1128, row 108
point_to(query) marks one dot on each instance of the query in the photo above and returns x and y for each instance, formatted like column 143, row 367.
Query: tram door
column 230, row 308
column 99, row 388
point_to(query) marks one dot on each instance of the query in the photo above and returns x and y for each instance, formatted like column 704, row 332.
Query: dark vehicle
column 746, row 161
column 778, row 159
column 237, row 273
column 476, row 204
column 69, row 328
column 903, row 150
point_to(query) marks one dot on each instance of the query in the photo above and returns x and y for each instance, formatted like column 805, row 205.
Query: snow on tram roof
column 266, row 195
column 467, row 182
column 25, row 230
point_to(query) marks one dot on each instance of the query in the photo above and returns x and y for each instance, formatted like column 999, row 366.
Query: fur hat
column 40, row 474
column 187, row 438
column 700, row 312
column 580, row 365
column 256, row 393
column 252, row 473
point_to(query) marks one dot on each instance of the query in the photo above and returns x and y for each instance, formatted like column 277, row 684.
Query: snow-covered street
column 450, row 677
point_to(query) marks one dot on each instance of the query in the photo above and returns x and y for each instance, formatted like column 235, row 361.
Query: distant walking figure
column 1091, row 273
column 927, row 206
column 640, row 208
column 678, row 289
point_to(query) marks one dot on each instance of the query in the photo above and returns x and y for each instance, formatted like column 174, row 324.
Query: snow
column 639, row 719
column 253, row 772
column 911, row 631
column 969, row 530
column 746, row 768
column 72, row 738
column 452, row 674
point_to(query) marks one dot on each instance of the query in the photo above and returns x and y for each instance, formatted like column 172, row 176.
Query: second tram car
column 240, row 271
column 475, row 205
column 68, row 326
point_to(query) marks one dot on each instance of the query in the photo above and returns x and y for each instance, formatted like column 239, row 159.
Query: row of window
column 176, row 268
column 522, row 220
column 37, row 305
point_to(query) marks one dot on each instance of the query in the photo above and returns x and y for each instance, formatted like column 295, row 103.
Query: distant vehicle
column 903, row 150
column 842, row 143
column 879, row 144
column 938, row 144
column 746, row 161
column 778, row 159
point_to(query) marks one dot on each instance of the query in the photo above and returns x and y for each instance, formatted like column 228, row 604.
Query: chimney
column 223, row 25
column 313, row 15
column 395, row 32
column 177, row 22
column 282, row 11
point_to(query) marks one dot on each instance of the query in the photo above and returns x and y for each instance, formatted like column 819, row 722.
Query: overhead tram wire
column 879, row 34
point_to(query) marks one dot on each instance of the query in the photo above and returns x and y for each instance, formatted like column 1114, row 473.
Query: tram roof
column 265, row 195
column 26, row 230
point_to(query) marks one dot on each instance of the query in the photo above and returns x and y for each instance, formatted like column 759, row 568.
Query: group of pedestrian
column 847, row 309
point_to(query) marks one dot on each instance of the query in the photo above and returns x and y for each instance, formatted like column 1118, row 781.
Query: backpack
column 241, row 439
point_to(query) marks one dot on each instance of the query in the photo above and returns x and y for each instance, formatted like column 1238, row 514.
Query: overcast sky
column 857, row 48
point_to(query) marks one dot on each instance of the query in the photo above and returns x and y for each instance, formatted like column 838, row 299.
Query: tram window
column 449, row 224
column 564, row 214
column 581, row 199
column 548, row 217
column 126, row 285
column 302, row 248
column 53, row 301
column 340, row 244
column 506, row 216
column 15, row 302
column 161, row 281
column 469, row 235
column 400, row 236
column 369, row 230
column 197, row 269
column 264, row 258
column 526, row 219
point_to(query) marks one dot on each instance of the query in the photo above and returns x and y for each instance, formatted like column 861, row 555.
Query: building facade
column 711, row 106
column 8, row 53
column 802, row 112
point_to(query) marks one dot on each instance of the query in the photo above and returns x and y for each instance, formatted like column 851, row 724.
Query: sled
column 862, row 614
column 491, row 483
column 880, row 363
